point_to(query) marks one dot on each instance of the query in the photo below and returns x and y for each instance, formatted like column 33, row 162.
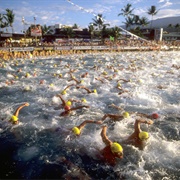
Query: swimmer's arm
column 114, row 106
column 137, row 127
column 63, row 101
column 112, row 116
column 82, row 87
column 73, row 78
column 79, row 107
column 16, row 113
column 88, row 121
column 105, row 139
column 69, row 86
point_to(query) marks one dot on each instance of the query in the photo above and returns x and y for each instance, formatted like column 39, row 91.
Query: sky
column 82, row 12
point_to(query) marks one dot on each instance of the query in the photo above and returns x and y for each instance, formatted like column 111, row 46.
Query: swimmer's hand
column 87, row 106
column 149, row 122
column 26, row 104
column 99, row 122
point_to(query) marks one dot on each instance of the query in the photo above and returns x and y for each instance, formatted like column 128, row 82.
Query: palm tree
column 152, row 11
column 127, row 11
column 99, row 21
column 170, row 26
column 143, row 21
column 75, row 26
column 115, row 32
column 68, row 31
column 177, row 26
column 46, row 30
column 9, row 16
column 136, row 20
column 129, row 22
column 104, row 33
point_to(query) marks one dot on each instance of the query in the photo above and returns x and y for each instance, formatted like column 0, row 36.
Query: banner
column 111, row 38
column 36, row 31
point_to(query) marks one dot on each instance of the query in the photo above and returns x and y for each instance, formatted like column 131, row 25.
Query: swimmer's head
column 143, row 135
column 116, row 148
column 76, row 131
column 67, row 108
column 94, row 91
column 14, row 119
column 155, row 116
column 125, row 114
column 68, row 103
column 63, row 92
column 83, row 100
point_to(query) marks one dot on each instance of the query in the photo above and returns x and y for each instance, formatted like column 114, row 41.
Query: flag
column 111, row 38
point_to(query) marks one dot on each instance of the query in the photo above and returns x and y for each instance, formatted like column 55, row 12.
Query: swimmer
column 88, row 90
column 99, row 79
column 112, row 151
column 84, row 75
column 69, row 102
column 139, row 138
column 68, row 109
column 142, row 115
column 14, row 119
column 73, row 171
column 77, row 129
column 73, row 78
column 116, row 117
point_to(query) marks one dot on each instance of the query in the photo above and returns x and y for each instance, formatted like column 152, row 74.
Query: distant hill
column 162, row 22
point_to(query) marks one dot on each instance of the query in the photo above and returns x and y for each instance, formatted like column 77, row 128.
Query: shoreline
column 12, row 53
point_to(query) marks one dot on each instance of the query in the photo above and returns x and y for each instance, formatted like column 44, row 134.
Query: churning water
column 32, row 150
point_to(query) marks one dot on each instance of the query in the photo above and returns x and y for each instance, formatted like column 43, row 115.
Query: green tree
column 115, row 32
column 75, row 26
column 152, row 11
column 136, row 20
column 9, row 16
column 68, row 31
column 91, row 31
column 177, row 26
column 46, row 30
column 137, row 31
column 104, row 33
column 1, row 21
column 127, row 11
column 129, row 22
column 99, row 21
column 170, row 26
column 143, row 21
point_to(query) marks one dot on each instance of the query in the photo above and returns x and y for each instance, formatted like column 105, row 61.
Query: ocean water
column 40, row 147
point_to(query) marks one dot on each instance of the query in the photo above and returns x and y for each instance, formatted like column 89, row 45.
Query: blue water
column 33, row 149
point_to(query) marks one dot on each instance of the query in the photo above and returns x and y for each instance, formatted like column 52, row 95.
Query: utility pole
column 23, row 21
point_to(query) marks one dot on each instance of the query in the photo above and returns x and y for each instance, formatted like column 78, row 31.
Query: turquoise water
column 32, row 150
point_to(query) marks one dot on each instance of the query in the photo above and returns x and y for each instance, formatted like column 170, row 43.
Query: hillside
column 164, row 22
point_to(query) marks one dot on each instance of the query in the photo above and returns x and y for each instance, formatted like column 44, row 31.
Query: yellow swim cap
column 14, row 118
column 76, row 130
column 119, row 84
column 143, row 135
column 63, row 92
column 125, row 114
column 84, row 100
column 94, row 91
column 68, row 103
column 116, row 148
